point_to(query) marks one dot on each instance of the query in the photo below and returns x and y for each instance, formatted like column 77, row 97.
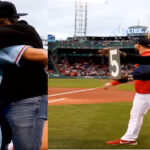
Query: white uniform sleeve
column 12, row 54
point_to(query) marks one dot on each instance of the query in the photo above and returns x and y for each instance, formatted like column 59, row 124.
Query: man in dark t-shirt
column 23, row 90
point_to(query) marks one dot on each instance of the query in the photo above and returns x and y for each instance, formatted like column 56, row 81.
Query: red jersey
column 141, row 86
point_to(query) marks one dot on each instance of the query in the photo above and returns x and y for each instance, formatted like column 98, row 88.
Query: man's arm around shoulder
column 36, row 55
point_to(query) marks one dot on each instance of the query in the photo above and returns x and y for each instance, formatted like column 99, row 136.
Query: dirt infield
column 65, row 96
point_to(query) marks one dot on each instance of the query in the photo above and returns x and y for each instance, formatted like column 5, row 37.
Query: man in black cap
column 141, row 103
column 23, row 90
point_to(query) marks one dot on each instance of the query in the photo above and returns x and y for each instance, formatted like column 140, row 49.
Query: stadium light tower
column 80, row 26
column 81, row 11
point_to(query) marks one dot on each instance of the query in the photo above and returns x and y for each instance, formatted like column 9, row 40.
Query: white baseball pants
column 141, row 105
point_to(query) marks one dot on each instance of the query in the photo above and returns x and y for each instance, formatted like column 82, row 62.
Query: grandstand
column 78, row 57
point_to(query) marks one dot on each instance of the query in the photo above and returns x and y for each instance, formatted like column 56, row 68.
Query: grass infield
column 85, row 83
column 76, row 83
column 89, row 126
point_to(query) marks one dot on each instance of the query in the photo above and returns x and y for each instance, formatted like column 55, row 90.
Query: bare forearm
column 36, row 55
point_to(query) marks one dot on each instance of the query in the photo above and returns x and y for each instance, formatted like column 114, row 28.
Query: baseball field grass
column 76, row 83
column 89, row 126
column 85, row 83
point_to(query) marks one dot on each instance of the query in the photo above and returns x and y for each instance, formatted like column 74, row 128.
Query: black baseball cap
column 144, row 42
column 8, row 10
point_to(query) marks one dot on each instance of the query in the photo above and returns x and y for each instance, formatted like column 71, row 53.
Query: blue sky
column 102, row 18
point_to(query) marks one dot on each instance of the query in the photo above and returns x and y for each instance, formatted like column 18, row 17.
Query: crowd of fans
column 85, row 67
column 86, row 44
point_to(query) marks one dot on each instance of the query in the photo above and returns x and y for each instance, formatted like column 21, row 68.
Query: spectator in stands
column 82, row 67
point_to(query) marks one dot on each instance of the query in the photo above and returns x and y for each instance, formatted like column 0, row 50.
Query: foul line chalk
column 56, row 100
column 72, row 92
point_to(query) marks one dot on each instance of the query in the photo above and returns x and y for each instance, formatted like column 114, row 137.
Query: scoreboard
column 51, row 38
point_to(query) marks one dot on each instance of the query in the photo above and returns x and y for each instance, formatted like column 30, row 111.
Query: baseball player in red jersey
column 141, row 102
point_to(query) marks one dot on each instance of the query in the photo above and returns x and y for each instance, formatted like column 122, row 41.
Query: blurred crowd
column 93, row 43
column 85, row 67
